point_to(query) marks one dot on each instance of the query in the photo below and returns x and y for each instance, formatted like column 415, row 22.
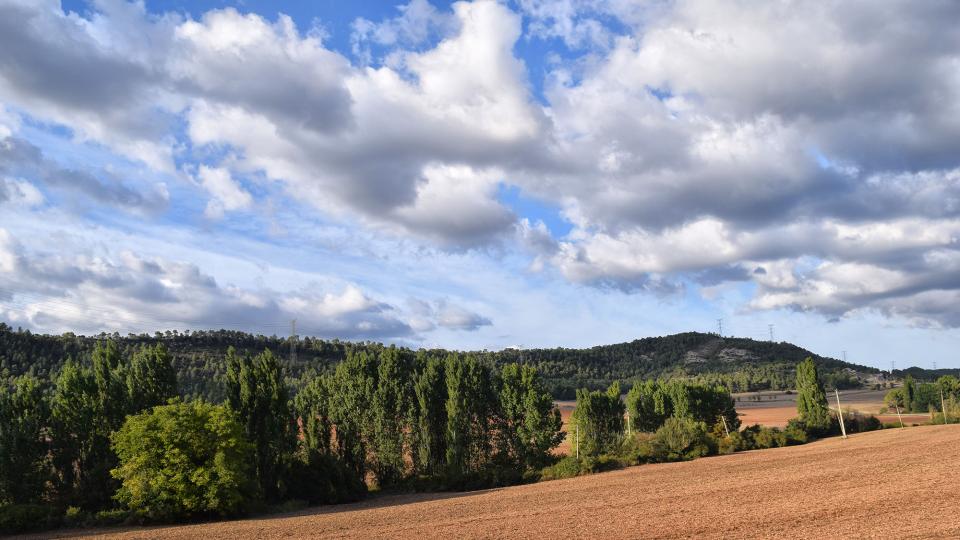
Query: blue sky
column 485, row 174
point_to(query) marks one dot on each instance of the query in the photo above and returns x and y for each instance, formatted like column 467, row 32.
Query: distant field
column 775, row 408
column 885, row 484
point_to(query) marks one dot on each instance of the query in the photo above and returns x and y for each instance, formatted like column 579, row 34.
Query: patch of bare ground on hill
column 886, row 484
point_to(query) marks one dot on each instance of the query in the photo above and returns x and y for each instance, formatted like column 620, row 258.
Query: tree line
column 114, row 436
column 199, row 358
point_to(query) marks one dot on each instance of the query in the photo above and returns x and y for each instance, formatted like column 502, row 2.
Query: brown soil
column 887, row 484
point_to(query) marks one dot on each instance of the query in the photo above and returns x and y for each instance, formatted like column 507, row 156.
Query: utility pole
column 720, row 327
column 293, row 342
column 840, row 414
column 578, row 441
column 844, row 356
column 943, row 405
column 724, row 420
column 897, row 405
column 770, row 327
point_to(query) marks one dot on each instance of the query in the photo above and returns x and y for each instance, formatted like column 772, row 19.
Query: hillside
column 740, row 364
column 855, row 488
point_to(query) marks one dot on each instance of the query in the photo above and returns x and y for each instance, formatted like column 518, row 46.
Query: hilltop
column 739, row 363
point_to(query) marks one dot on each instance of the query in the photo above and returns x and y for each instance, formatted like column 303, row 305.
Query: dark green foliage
column 430, row 388
column 312, row 407
column 258, row 395
column 151, row 379
column 183, row 460
column 910, row 393
column 651, row 403
column 199, row 358
column 392, row 410
column 471, row 406
column 22, row 518
column 320, row 478
column 599, row 419
column 530, row 423
column 681, row 438
column 811, row 399
column 351, row 395
column 24, row 415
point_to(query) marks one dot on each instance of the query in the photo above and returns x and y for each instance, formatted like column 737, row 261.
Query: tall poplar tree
column 811, row 399
column 258, row 395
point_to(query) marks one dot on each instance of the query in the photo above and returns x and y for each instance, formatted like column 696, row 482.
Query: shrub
column 856, row 422
column 734, row 442
column 21, row 518
column 637, row 449
column 183, row 460
column 567, row 467
column 768, row 437
column 74, row 516
column 796, row 432
column 681, row 439
column 320, row 478
column 111, row 517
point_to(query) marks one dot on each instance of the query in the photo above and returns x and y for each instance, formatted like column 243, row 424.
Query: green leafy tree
column 257, row 393
column 392, row 411
column 811, row 399
column 151, row 378
column 470, row 412
column 430, row 388
column 910, row 394
column 24, row 415
column 531, row 425
column 599, row 418
column 647, row 406
column 352, row 387
column 312, row 407
column 681, row 438
column 183, row 460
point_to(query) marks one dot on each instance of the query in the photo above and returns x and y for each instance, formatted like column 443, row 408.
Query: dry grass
column 886, row 484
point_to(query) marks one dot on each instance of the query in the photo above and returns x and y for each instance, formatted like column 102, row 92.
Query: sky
column 481, row 175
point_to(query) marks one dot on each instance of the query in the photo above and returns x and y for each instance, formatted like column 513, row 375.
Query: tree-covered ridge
column 200, row 359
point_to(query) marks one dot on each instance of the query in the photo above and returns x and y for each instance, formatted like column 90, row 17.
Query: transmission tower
column 720, row 327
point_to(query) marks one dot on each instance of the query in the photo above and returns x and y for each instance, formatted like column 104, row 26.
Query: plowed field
column 886, row 484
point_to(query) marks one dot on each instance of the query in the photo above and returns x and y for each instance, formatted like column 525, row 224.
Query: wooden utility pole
column 943, row 405
column 628, row 423
column 840, row 414
column 724, row 420
column 897, row 405
column 578, row 441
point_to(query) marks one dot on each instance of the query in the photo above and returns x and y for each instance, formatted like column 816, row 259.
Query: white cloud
column 227, row 193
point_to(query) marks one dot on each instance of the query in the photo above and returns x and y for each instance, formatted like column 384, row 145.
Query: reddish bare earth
column 888, row 484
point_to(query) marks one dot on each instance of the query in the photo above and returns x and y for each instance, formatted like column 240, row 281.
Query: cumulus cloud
column 227, row 193
column 808, row 147
column 127, row 292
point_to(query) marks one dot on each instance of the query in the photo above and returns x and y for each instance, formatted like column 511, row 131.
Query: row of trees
column 199, row 359
column 116, row 431
column 602, row 419
column 920, row 397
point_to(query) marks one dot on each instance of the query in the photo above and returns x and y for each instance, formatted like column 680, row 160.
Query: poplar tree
column 430, row 388
column 599, row 417
column 151, row 378
column 391, row 411
column 257, row 394
column 530, row 424
column 24, row 414
column 811, row 399
column 352, row 387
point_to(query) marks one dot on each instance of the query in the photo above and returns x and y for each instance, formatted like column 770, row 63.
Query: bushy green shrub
column 74, row 516
column 856, row 422
column 111, row 517
column 570, row 466
column 796, row 432
column 183, row 460
column 21, row 518
column 731, row 443
column 637, row 449
column 681, row 439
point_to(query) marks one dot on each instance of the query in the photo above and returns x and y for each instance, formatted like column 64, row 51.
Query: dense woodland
column 199, row 358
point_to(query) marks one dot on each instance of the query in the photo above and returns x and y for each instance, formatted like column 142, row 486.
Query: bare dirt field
column 887, row 484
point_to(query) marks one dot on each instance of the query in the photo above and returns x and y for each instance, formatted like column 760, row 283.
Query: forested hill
column 740, row 364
